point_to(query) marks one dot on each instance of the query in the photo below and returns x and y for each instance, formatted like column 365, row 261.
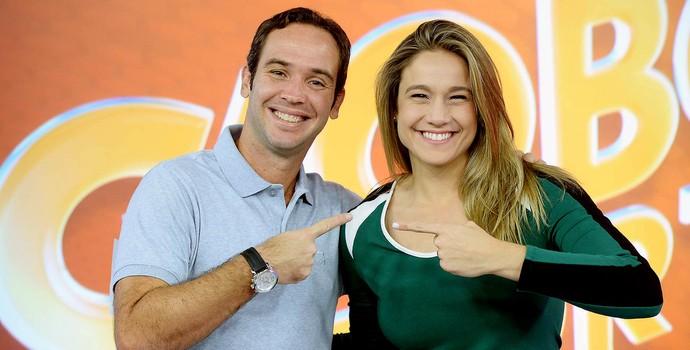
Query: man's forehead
column 301, row 44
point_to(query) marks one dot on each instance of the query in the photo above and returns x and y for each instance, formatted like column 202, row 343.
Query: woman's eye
column 459, row 97
column 418, row 96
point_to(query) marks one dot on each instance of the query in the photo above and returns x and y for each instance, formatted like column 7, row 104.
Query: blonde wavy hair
column 497, row 187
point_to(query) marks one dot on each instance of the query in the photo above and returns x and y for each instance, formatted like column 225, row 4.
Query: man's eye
column 278, row 73
column 318, row 83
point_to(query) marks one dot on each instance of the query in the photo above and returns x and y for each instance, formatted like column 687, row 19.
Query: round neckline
column 390, row 238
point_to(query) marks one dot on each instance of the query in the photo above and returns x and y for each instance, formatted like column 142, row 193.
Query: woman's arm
column 593, row 266
column 365, row 331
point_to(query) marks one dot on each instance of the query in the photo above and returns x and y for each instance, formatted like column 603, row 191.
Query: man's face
column 293, row 89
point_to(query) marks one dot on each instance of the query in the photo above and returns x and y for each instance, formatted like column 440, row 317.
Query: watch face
column 265, row 280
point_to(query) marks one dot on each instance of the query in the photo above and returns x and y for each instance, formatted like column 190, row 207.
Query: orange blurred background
column 58, row 56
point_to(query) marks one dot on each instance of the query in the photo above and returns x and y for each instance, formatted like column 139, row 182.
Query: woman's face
column 436, row 116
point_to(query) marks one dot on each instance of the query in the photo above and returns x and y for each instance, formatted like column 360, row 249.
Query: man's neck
column 273, row 168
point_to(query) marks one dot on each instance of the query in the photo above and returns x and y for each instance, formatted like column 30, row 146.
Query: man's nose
column 294, row 91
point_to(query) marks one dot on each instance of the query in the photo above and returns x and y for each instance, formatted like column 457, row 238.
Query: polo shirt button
column 272, row 193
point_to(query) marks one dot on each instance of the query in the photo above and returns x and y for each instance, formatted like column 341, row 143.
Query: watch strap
column 256, row 262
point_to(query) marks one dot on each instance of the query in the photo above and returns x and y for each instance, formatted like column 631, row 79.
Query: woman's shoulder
column 557, row 183
column 375, row 198
column 378, row 191
column 558, row 191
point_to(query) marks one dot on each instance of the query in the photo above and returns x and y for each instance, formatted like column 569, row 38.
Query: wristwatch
column 264, row 276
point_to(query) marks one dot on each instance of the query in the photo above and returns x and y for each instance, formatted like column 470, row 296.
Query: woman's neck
column 433, row 184
column 422, row 189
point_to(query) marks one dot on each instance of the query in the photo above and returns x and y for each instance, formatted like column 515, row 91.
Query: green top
column 578, row 257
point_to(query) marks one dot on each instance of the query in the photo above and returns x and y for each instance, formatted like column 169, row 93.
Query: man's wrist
column 264, row 278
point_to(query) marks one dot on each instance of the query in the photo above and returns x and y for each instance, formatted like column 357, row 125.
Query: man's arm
column 149, row 313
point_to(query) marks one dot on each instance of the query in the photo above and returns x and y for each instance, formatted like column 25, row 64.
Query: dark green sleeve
column 365, row 332
column 593, row 266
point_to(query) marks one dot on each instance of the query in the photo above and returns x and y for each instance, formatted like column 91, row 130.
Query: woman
column 469, row 247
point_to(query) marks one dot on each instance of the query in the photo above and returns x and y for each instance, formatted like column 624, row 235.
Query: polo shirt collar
column 241, row 175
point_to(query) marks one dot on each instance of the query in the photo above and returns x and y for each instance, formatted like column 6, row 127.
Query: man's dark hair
column 303, row 16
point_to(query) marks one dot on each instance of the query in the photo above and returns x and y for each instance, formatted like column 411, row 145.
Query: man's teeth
column 288, row 117
column 436, row 137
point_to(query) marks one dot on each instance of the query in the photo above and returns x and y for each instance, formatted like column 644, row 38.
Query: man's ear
column 336, row 104
column 246, row 82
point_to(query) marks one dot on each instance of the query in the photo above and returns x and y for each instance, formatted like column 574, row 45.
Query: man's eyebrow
column 323, row 72
column 277, row 61
column 313, row 70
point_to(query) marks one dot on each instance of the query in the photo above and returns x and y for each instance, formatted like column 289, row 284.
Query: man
column 184, row 274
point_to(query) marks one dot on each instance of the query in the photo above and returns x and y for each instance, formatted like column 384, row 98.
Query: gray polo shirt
column 193, row 213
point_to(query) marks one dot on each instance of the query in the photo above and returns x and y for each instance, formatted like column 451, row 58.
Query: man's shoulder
column 332, row 191
column 181, row 172
column 202, row 160
column 324, row 186
column 193, row 159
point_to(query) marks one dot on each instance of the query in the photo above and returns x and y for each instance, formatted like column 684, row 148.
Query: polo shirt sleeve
column 157, row 238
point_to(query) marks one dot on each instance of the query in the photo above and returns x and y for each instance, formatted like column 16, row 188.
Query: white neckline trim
column 390, row 239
